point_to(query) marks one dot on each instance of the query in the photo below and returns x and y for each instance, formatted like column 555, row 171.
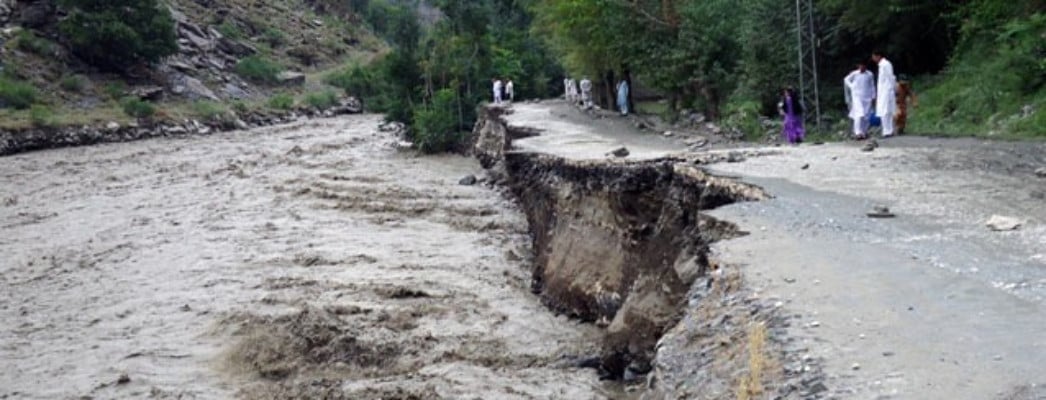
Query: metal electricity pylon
column 807, row 52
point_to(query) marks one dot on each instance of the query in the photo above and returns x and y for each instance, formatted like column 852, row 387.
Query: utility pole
column 806, row 41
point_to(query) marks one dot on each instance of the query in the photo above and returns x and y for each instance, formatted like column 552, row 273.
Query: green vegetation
column 137, row 108
column 281, row 101
column 274, row 37
column 15, row 94
column 115, row 90
column 230, row 30
column 73, row 83
column 321, row 100
column 211, row 111
column 41, row 116
column 29, row 42
column 117, row 35
column 979, row 63
column 435, row 123
column 258, row 69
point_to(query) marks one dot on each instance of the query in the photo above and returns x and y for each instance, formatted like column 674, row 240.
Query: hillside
column 231, row 55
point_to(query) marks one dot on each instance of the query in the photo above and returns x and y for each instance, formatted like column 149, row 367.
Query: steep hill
column 231, row 54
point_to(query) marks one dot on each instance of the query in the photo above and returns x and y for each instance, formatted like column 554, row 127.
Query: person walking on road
column 510, row 91
column 905, row 95
column 586, row 93
column 885, row 99
column 791, row 108
column 860, row 86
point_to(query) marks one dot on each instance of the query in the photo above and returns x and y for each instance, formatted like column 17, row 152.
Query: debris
column 735, row 157
column 619, row 152
column 668, row 133
column 880, row 211
column 805, row 166
column 855, row 366
column 123, row 379
column 1041, row 172
column 1000, row 223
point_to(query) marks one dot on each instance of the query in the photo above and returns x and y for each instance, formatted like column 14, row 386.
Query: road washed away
column 311, row 260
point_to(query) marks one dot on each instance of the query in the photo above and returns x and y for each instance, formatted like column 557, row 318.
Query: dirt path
column 300, row 261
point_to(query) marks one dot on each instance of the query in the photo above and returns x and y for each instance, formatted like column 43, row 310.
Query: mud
column 310, row 260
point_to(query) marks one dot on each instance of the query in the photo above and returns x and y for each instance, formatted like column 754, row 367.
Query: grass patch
column 41, row 116
column 258, row 69
column 274, row 37
column 281, row 101
column 137, row 108
column 211, row 111
column 230, row 30
column 321, row 100
column 29, row 42
column 115, row 90
column 17, row 95
column 73, row 83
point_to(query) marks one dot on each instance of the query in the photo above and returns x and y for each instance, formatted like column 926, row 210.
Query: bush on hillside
column 17, row 95
column 41, row 116
column 321, row 100
column 281, row 101
column 137, row 108
column 274, row 37
column 258, row 69
column 211, row 111
column 28, row 42
column 73, row 83
column 355, row 80
column 114, row 35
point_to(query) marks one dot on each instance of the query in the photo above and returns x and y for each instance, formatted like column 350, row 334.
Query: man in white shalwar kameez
column 860, row 85
column 586, row 93
column 498, row 87
column 885, row 103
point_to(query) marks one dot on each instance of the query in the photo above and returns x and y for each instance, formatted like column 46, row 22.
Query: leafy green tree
column 115, row 35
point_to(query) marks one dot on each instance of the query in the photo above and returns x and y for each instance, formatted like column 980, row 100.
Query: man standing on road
column 861, row 89
column 498, row 87
column 510, row 90
column 586, row 93
column 885, row 100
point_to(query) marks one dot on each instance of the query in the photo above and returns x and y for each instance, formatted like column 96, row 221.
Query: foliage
column 230, row 30
column 281, row 101
column 15, row 94
column 211, row 111
column 73, row 83
column 138, row 108
column 29, row 42
column 115, row 90
column 41, row 116
column 435, row 124
column 274, row 37
column 321, row 100
column 355, row 80
column 258, row 69
column 116, row 35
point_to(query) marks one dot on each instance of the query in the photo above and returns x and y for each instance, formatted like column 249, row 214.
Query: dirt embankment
column 625, row 245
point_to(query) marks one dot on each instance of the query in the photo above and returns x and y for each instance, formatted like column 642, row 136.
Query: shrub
column 27, row 41
column 258, row 69
column 113, row 35
column 73, row 83
column 138, row 108
column 115, row 90
column 211, row 111
column 241, row 107
column 15, row 94
column 281, row 101
column 436, row 124
column 355, row 81
column 274, row 37
column 230, row 30
column 41, row 116
column 321, row 100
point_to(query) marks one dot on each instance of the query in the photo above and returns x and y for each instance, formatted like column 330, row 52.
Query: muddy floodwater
column 303, row 261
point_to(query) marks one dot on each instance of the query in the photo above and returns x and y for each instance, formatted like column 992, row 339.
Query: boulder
column 190, row 87
column 291, row 78
column 235, row 48
column 235, row 92
column 151, row 93
column 468, row 180
column 619, row 152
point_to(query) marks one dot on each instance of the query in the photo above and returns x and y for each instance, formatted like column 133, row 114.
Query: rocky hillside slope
column 298, row 39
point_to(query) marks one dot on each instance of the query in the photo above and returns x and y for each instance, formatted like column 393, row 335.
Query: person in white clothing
column 510, row 91
column 586, row 93
column 860, row 85
column 885, row 105
column 498, row 87
column 569, row 95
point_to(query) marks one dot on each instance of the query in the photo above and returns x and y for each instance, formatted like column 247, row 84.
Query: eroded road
column 304, row 261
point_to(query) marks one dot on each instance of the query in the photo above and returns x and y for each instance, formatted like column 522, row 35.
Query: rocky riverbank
column 42, row 138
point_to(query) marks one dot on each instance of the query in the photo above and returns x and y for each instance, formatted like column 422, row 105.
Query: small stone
column 1000, row 223
column 997, row 358
column 1041, row 172
column 112, row 126
column 855, row 366
column 123, row 379
column 880, row 211
column 888, row 354
column 815, row 324
column 468, row 180
column 619, row 152
column 185, row 308
column 805, row 166
column 735, row 157
column 669, row 133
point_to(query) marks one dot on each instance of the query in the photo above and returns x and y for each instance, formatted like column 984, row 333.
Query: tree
column 114, row 35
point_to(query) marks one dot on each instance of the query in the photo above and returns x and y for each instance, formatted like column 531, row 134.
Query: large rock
column 235, row 48
column 189, row 87
column 151, row 93
column 291, row 78
column 36, row 14
column 1001, row 223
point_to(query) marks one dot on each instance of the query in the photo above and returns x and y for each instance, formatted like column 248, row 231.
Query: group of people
column 885, row 98
column 503, row 91
column 581, row 93
column 888, row 98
